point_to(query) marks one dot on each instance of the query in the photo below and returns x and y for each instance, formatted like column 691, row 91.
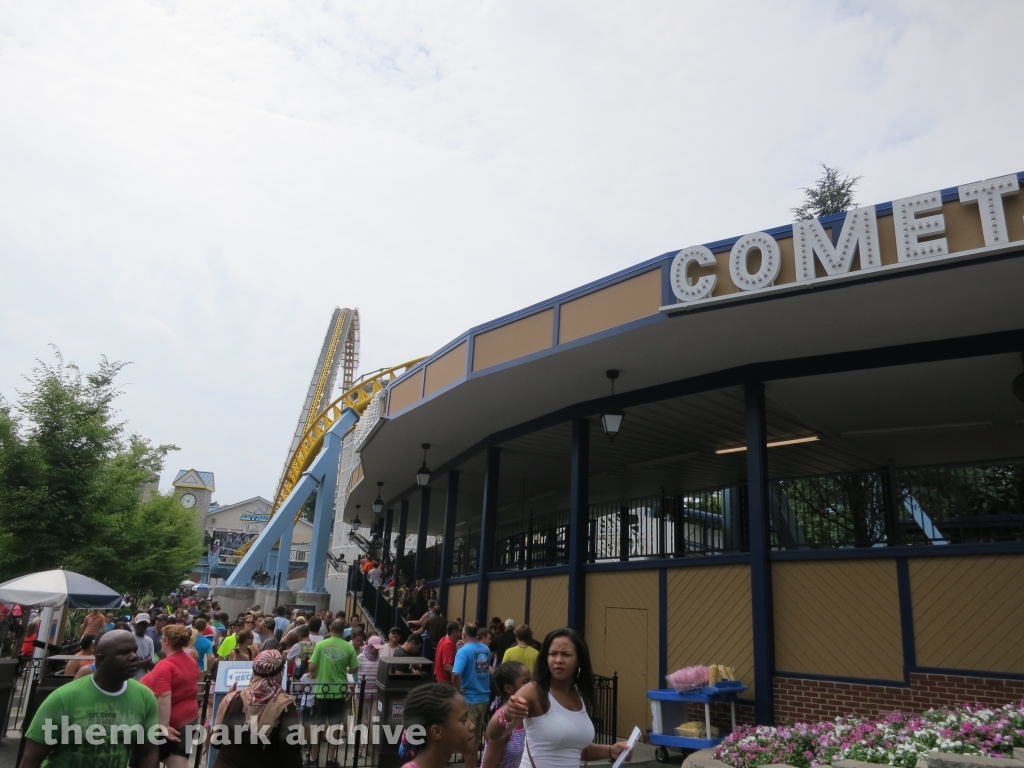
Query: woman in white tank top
column 554, row 707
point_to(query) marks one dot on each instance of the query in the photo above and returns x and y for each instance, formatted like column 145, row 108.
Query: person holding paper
column 554, row 707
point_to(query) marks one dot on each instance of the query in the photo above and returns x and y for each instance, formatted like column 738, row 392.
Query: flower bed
column 895, row 739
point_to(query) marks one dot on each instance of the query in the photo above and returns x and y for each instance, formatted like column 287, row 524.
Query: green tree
column 70, row 480
column 830, row 194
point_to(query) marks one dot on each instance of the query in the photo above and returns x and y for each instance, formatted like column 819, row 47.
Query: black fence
column 605, row 713
column 924, row 506
column 536, row 542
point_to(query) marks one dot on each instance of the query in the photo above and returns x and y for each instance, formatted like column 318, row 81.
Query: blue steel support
column 324, row 466
column 323, row 517
column 388, row 518
column 906, row 617
column 285, row 554
column 420, row 568
column 270, row 535
column 662, row 624
column 760, row 544
column 448, row 541
column 579, row 523
column 403, row 526
column 488, row 524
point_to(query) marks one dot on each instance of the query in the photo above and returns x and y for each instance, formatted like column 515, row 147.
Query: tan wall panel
column 469, row 611
column 709, row 619
column 886, row 240
column 838, row 618
column 405, row 393
column 621, row 303
column 446, row 369
column 549, row 604
column 637, row 592
column 507, row 599
column 522, row 337
column 1013, row 207
column 969, row 612
column 963, row 227
column 456, row 596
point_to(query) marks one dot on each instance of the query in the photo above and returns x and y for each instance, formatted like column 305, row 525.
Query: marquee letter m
column 860, row 234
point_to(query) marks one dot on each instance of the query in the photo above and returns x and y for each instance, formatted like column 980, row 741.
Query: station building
column 817, row 478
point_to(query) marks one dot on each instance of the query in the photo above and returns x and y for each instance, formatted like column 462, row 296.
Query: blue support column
column 421, row 536
column 451, row 508
column 285, row 555
column 323, row 516
column 389, row 516
column 403, row 526
column 488, row 525
column 579, row 523
column 760, row 546
column 322, row 473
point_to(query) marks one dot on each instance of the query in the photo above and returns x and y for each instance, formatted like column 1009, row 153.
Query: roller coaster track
column 357, row 397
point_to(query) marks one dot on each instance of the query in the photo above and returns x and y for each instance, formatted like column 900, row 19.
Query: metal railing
column 539, row 541
column 605, row 712
column 962, row 504
column 922, row 506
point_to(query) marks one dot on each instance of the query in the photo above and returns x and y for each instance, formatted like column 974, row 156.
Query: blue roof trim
column 949, row 194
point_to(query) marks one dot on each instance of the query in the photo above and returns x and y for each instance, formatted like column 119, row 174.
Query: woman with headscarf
column 267, row 702
column 368, row 659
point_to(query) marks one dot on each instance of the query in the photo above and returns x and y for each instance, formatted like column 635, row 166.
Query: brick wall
column 720, row 715
column 799, row 699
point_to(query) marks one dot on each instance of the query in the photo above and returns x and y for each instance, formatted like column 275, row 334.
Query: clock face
column 188, row 500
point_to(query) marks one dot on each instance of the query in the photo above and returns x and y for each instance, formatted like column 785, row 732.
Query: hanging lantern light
column 611, row 418
column 378, row 504
column 423, row 473
column 356, row 522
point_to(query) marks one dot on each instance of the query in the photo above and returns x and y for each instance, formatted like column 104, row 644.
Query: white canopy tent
column 56, row 589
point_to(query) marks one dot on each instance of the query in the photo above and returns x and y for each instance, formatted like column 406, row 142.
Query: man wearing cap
column 144, row 645
column 502, row 641
column 394, row 640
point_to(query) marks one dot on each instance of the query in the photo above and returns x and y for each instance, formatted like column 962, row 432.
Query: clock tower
column 194, row 490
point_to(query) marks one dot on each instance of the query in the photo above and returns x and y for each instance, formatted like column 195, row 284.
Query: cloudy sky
column 193, row 186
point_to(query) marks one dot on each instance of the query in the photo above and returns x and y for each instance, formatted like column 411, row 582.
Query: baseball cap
column 375, row 641
column 142, row 617
column 510, row 623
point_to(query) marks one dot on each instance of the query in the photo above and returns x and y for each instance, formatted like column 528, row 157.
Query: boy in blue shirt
column 471, row 676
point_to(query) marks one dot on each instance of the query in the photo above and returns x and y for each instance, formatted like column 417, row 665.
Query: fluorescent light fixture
column 773, row 444
column 926, row 428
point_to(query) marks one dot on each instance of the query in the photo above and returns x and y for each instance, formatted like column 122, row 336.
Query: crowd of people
column 497, row 689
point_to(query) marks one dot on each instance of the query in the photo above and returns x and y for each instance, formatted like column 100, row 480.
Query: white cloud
column 193, row 186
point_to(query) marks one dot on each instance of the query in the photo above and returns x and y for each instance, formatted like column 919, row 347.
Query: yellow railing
column 357, row 397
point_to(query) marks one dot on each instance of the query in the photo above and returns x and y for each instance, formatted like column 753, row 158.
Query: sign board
column 229, row 673
column 255, row 518
column 965, row 222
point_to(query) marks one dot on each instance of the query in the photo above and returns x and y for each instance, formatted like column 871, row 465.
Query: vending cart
column 670, row 710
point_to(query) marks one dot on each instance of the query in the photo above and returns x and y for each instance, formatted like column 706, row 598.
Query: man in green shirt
column 98, row 720
column 228, row 643
column 333, row 658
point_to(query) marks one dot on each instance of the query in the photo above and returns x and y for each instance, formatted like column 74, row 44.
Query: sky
column 192, row 187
